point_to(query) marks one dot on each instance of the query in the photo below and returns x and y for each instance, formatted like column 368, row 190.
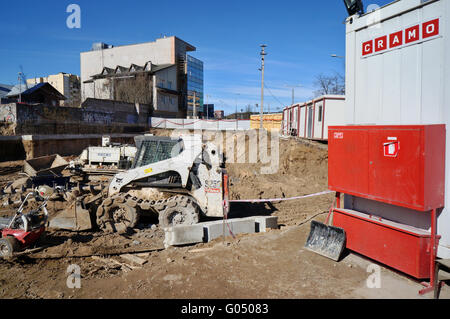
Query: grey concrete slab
column 265, row 222
column 183, row 235
column 232, row 227
column 208, row 231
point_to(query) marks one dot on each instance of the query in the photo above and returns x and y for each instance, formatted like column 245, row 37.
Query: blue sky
column 301, row 36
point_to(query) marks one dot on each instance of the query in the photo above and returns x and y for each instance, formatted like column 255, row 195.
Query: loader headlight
column 354, row 6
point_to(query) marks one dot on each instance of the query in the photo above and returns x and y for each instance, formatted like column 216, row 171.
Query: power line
column 281, row 103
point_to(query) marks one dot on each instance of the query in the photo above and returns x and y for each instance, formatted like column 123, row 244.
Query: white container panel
column 411, row 84
column 334, row 114
column 318, row 125
column 302, row 121
column 432, row 81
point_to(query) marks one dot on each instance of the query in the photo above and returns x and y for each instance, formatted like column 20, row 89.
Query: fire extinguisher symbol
column 391, row 149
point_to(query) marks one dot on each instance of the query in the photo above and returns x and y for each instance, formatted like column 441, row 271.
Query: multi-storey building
column 159, row 73
column 67, row 84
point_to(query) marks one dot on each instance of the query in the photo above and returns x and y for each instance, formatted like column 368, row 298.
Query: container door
column 310, row 122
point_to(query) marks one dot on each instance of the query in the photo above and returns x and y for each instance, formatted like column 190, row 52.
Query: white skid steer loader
column 181, row 180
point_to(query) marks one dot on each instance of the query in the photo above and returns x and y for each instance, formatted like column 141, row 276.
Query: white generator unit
column 103, row 155
column 398, row 73
column 109, row 154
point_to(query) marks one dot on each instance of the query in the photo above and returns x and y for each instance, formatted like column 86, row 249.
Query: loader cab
column 153, row 149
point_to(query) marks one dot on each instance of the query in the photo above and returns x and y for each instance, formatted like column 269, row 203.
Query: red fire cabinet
column 399, row 165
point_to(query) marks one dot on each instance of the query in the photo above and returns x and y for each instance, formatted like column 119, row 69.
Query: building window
column 169, row 85
column 320, row 113
column 194, row 83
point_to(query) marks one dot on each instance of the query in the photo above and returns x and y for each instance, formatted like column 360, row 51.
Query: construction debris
column 73, row 218
column 134, row 259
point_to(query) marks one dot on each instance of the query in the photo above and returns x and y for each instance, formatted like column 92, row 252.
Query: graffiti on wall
column 97, row 117
column 7, row 113
column 23, row 113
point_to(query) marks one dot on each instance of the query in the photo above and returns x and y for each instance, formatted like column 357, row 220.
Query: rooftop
column 5, row 89
column 119, row 70
column 189, row 47
column 23, row 89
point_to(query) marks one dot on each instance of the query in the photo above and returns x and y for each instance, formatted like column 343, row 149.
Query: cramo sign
column 412, row 35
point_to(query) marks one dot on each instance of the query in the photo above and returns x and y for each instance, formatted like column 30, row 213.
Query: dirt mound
column 302, row 170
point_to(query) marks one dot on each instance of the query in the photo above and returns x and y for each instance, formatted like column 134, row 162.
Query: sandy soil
column 267, row 265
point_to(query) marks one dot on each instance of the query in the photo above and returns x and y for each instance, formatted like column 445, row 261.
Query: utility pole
column 263, row 54
column 20, row 87
column 236, row 111
column 293, row 91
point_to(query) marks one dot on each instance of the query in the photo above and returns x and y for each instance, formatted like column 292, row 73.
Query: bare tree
column 329, row 84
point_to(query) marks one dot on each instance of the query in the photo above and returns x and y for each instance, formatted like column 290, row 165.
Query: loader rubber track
column 121, row 212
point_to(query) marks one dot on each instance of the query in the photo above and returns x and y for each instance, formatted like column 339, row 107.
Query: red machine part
column 25, row 238
column 398, row 165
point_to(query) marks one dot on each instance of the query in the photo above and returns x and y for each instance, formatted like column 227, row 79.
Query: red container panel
column 399, row 165
column 398, row 246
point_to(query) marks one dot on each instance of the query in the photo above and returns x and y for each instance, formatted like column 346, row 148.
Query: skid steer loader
column 181, row 180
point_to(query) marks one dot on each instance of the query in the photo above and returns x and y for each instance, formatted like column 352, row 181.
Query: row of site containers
column 310, row 120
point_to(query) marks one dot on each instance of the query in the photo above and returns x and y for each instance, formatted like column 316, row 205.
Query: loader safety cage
column 156, row 149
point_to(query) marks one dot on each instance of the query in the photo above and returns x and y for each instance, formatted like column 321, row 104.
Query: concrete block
column 262, row 223
column 236, row 226
column 183, row 235
column 206, row 232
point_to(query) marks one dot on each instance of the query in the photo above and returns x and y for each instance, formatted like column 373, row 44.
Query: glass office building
column 194, row 69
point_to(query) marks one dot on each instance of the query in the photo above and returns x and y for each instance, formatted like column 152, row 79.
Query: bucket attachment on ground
column 51, row 165
column 74, row 218
column 326, row 240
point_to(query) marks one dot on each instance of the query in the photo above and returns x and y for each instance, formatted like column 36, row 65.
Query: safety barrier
column 191, row 124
